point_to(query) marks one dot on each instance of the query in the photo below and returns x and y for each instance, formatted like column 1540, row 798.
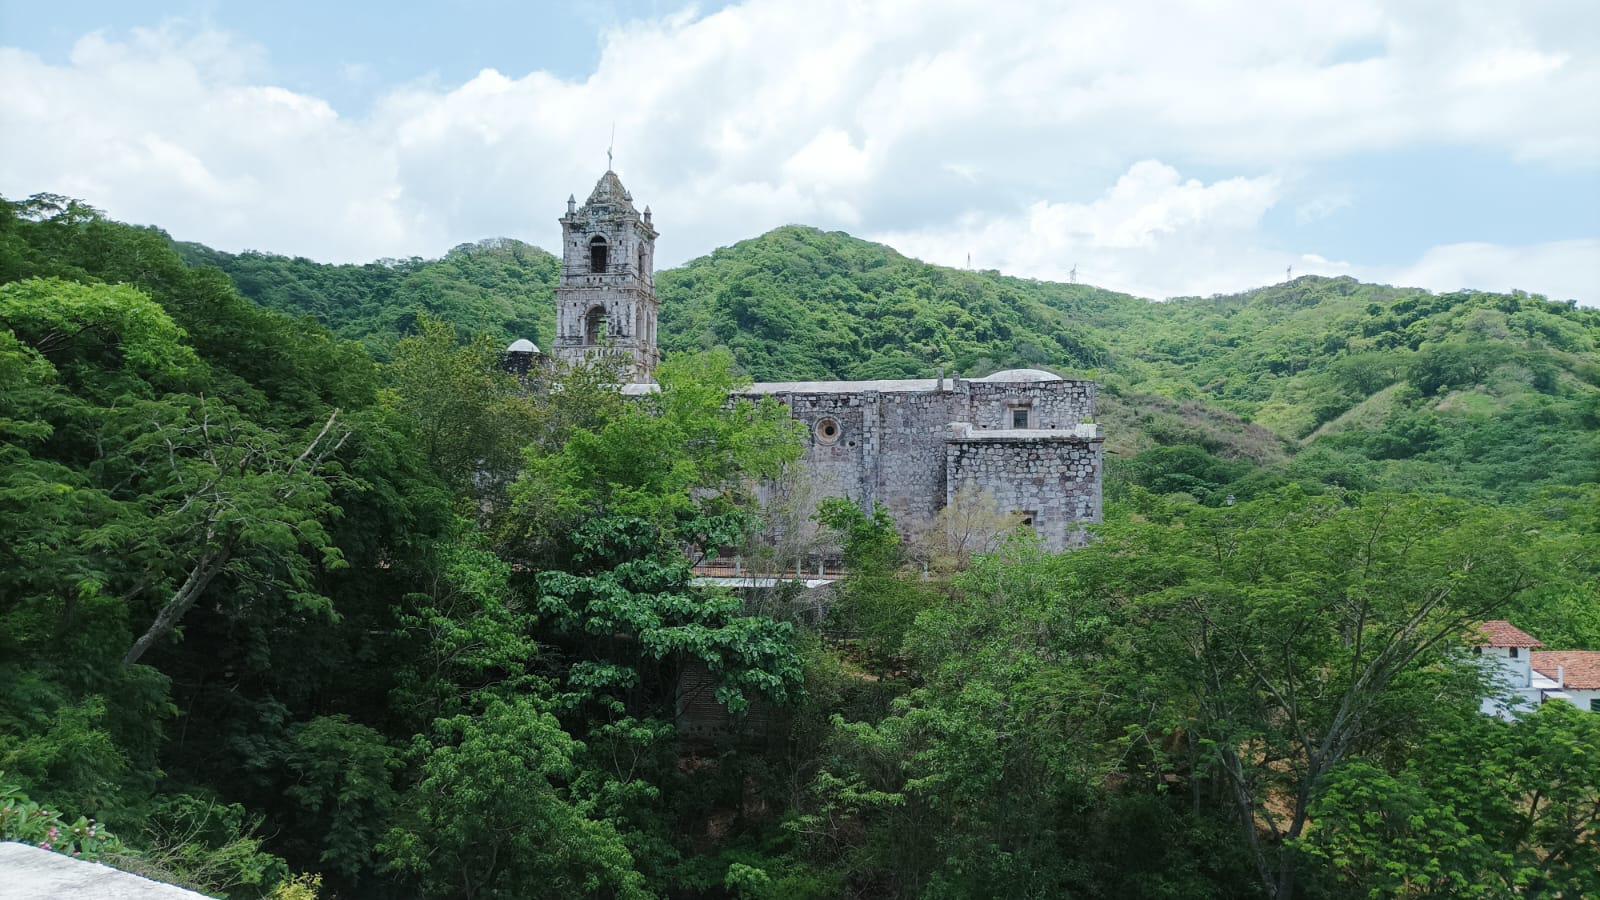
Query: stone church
column 1023, row 439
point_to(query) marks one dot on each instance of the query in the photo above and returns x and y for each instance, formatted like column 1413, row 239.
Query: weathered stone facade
column 1052, row 482
column 606, row 301
column 1023, row 438
column 911, row 445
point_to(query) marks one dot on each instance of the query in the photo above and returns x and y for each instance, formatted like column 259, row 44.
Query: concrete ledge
column 28, row 873
column 963, row 432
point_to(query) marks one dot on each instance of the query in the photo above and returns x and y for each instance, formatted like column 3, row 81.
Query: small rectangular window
column 1019, row 417
column 1513, row 653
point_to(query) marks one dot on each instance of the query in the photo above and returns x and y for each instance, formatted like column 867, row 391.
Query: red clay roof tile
column 1580, row 669
column 1500, row 633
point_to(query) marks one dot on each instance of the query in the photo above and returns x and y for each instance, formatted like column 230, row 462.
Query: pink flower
column 45, row 846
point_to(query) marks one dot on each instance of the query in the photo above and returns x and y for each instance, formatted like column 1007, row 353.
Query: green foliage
column 300, row 887
column 1483, row 809
column 670, row 457
column 491, row 816
column 214, row 847
column 1241, row 653
column 179, row 463
column 879, row 600
column 31, row 823
column 1185, row 469
column 70, row 755
column 617, row 504
column 471, row 416
column 498, row 289
column 798, row 303
column 115, row 328
column 422, row 627
column 343, row 782
column 994, row 776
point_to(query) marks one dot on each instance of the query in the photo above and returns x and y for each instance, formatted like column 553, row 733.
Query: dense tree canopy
column 301, row 593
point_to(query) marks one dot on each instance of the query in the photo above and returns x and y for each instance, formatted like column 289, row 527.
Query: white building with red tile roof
column 1508, row 652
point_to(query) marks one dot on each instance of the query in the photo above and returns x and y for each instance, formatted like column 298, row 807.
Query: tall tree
column 1299, row 631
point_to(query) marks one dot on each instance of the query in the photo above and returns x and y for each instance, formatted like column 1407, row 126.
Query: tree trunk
column 200, row 576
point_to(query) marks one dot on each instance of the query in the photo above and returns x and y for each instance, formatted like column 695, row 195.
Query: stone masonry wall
column 1055, row 481
column 1055, row 404
column 893, row 447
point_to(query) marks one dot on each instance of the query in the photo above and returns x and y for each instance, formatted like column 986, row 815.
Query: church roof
column 1022, row 375
column 522, row 345
column 892, row 385
column 840, row 387
column 608, row 191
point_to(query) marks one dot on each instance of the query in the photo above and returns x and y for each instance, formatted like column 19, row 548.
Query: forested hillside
column 497, row 288
column 335, row 607
column 1387, row 387
column 1473, row 394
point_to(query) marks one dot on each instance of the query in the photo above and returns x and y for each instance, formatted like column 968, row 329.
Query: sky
column 1160, row 148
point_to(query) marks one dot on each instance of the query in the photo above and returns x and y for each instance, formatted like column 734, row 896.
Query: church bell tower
column 606, row 302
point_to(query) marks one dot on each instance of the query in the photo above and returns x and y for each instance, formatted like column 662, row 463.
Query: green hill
column 800, row 303
column 1327, row 379
column 501, row 287
column 1469, row 393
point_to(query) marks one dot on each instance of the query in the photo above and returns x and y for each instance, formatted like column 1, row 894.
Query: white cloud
column 939, row 124
column 1156, row 234
column 1322, row 206
column 1152, row 233
column 1561, row 270
column 831, row 159
column 172, row 127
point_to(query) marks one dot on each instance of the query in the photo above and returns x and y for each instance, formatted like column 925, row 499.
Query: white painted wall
column 1589, row 701
column 1510, row 670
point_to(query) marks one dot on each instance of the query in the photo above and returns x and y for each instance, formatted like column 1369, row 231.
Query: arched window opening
column 642, row 272
column 597, row 254
column 596, row 325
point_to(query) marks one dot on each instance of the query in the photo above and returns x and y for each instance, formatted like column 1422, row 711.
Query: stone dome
column 522, row 345
column 1021, row 375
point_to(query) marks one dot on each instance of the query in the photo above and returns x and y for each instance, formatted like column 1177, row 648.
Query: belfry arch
column 596, row 326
